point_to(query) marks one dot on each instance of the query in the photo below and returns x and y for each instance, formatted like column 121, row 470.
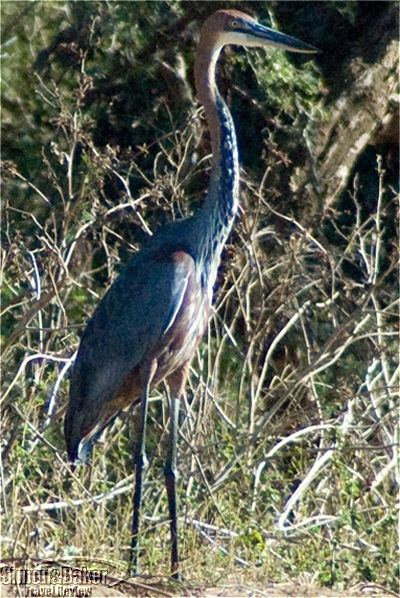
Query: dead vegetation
column 289, row 430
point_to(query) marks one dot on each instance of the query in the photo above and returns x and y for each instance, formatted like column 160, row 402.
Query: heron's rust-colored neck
column 207, row 55
column 221, row 202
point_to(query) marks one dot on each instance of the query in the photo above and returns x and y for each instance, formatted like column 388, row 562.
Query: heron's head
column 234, row 27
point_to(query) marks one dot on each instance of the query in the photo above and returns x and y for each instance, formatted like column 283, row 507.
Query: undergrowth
column 289, row 433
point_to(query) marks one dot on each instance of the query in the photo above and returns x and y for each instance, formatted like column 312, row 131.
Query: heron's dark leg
column 139, row 464
column 170, row 473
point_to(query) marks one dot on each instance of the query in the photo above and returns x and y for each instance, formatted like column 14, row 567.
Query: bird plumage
column 150, row 300
column 148, row 325
column 146, row 298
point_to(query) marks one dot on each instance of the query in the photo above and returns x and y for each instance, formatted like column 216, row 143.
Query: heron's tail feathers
column 80, row 448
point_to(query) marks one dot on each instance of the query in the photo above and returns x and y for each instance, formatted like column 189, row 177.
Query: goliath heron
column 148, row 325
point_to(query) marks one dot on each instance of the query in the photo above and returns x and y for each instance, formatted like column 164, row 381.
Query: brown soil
column 154, row 587
column 149, row 590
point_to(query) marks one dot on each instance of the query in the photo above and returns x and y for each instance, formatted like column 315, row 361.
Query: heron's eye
column 234, row 24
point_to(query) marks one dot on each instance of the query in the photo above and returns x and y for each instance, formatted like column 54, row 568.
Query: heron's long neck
column 221, row 203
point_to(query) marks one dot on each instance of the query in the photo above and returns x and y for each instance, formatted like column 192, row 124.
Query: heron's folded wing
column 131, row 318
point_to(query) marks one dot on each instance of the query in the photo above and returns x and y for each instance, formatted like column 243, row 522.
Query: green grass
column 289, row 432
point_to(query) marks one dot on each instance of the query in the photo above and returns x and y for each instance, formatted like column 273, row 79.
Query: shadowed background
column 288, row 441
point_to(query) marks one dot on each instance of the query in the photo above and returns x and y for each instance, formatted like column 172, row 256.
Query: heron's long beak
column 264, row 36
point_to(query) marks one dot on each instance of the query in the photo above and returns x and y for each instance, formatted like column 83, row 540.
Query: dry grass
column 289, row 438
